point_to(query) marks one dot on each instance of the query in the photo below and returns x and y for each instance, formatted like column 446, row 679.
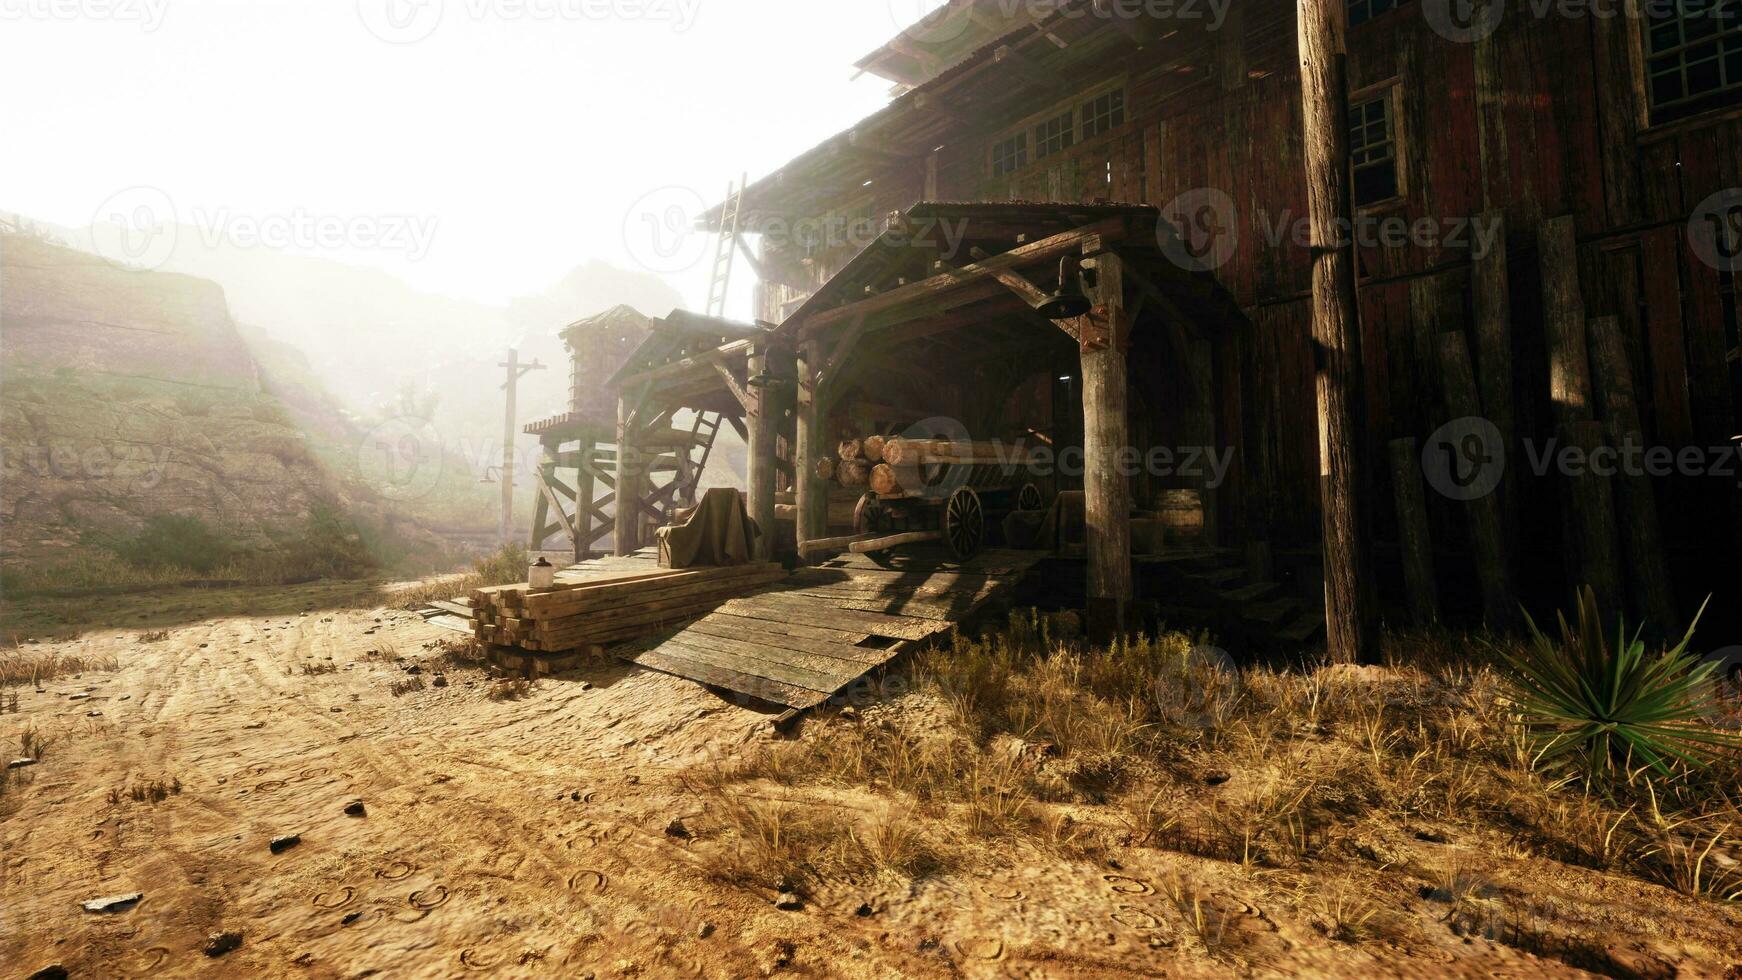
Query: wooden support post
column 759, row 481
column 1419, row 581
column 584, row 490
column 813, row 493
column 1588, row 518
column 1492, row 299
column 541, row 506
column 1350, row 621
column 1592, row 539
column 1563, row 313
column 626, row 533
column 1106, row 440
column 1642, row 538
column 1487, row 527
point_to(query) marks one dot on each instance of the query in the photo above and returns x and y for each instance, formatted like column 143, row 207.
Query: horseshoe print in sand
column 591, row 881
column 328, row 901
column 1127, row 885
column 426, row 899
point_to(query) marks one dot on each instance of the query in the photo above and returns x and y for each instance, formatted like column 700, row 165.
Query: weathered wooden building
column 1521, row 174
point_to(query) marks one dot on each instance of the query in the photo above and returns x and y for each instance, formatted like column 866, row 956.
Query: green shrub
column 505, row 565
column 329, row 545
column 177, row 541
column 1602, row 710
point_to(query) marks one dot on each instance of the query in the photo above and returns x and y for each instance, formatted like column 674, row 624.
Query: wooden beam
column 1563, row 314
column 1414, row 536
column 550, row 498
column 626, row 523
column 927, row 293
column 864, row 146
column 732, row 383
column 1642, row 537
column 813, row 493
column 1487, row 527
column 1106, row 440
column 1350, row 619
column 699, row 364
column 759, row 492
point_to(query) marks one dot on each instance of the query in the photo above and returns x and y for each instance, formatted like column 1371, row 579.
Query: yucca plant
column 1604, row 710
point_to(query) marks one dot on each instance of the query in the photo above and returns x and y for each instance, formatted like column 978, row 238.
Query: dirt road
column 522, row 836
column 512, row 834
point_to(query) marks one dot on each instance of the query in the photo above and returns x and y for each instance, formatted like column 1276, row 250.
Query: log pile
column 608, row 609
column 894, row 466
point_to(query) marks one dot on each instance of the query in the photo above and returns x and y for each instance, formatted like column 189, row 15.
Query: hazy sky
column 530, row 132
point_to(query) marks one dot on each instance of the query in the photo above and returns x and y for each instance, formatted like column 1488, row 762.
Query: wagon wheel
column 868, row 514
column 964, row 524
column 1029, row 498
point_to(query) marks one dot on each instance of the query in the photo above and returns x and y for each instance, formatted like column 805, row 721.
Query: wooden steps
column 801, row 641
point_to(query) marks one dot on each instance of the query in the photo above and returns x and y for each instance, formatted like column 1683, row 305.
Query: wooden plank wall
column 1537, row 121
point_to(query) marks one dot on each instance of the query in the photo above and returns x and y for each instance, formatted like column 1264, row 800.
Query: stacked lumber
column 893, row 466
column 609, row 608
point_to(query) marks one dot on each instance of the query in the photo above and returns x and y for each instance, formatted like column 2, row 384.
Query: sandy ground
column 523, row 837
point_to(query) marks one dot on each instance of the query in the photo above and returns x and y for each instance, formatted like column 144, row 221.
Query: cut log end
column 884, row 481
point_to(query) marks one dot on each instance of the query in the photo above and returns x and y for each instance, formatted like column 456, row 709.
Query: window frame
column 1388, row 92
column 1642, row 55
column 1030, row 124
column 1065, row 136
column 1018, row 151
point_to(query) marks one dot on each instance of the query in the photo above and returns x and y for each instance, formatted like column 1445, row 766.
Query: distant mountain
column 379, row 346
column 141, row 431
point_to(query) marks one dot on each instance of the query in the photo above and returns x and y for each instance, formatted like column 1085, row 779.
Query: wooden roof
column 1026, row 68
column 620, row 319
column 944, row 37
column 682, row 335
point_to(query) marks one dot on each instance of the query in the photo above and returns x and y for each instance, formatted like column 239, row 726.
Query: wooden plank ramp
column 805, row 639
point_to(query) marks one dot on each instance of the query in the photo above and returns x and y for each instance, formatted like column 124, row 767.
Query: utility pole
column 1351, row 626
column 516, row 371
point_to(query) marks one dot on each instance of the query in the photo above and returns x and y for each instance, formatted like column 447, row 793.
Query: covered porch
column 1067, row 328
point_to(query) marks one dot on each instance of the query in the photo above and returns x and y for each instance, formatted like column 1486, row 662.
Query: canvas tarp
column 720, row 532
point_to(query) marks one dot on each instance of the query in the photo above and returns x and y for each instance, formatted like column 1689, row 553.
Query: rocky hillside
column 138, row 424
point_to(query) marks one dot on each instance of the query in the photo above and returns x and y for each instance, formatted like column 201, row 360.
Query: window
column 1103, row 113
column 1058, row 130
column 1054, row 135
column 1373, row 150
column 1694, row 57
column 1010, row 155
column 1362, row 11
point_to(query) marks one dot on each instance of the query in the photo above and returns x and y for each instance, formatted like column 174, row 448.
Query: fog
column 509, row 140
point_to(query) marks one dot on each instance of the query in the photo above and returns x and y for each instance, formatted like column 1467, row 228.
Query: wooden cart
column 956, row 518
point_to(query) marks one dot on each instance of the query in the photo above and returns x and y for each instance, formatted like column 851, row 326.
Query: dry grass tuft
column 148, row 791
column 410, row 685
column 19, row 667
column 33, row 744
column 1373, row 788
column 509, row 689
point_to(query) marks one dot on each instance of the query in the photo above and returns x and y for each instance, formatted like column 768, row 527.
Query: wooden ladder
column 725, row 247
